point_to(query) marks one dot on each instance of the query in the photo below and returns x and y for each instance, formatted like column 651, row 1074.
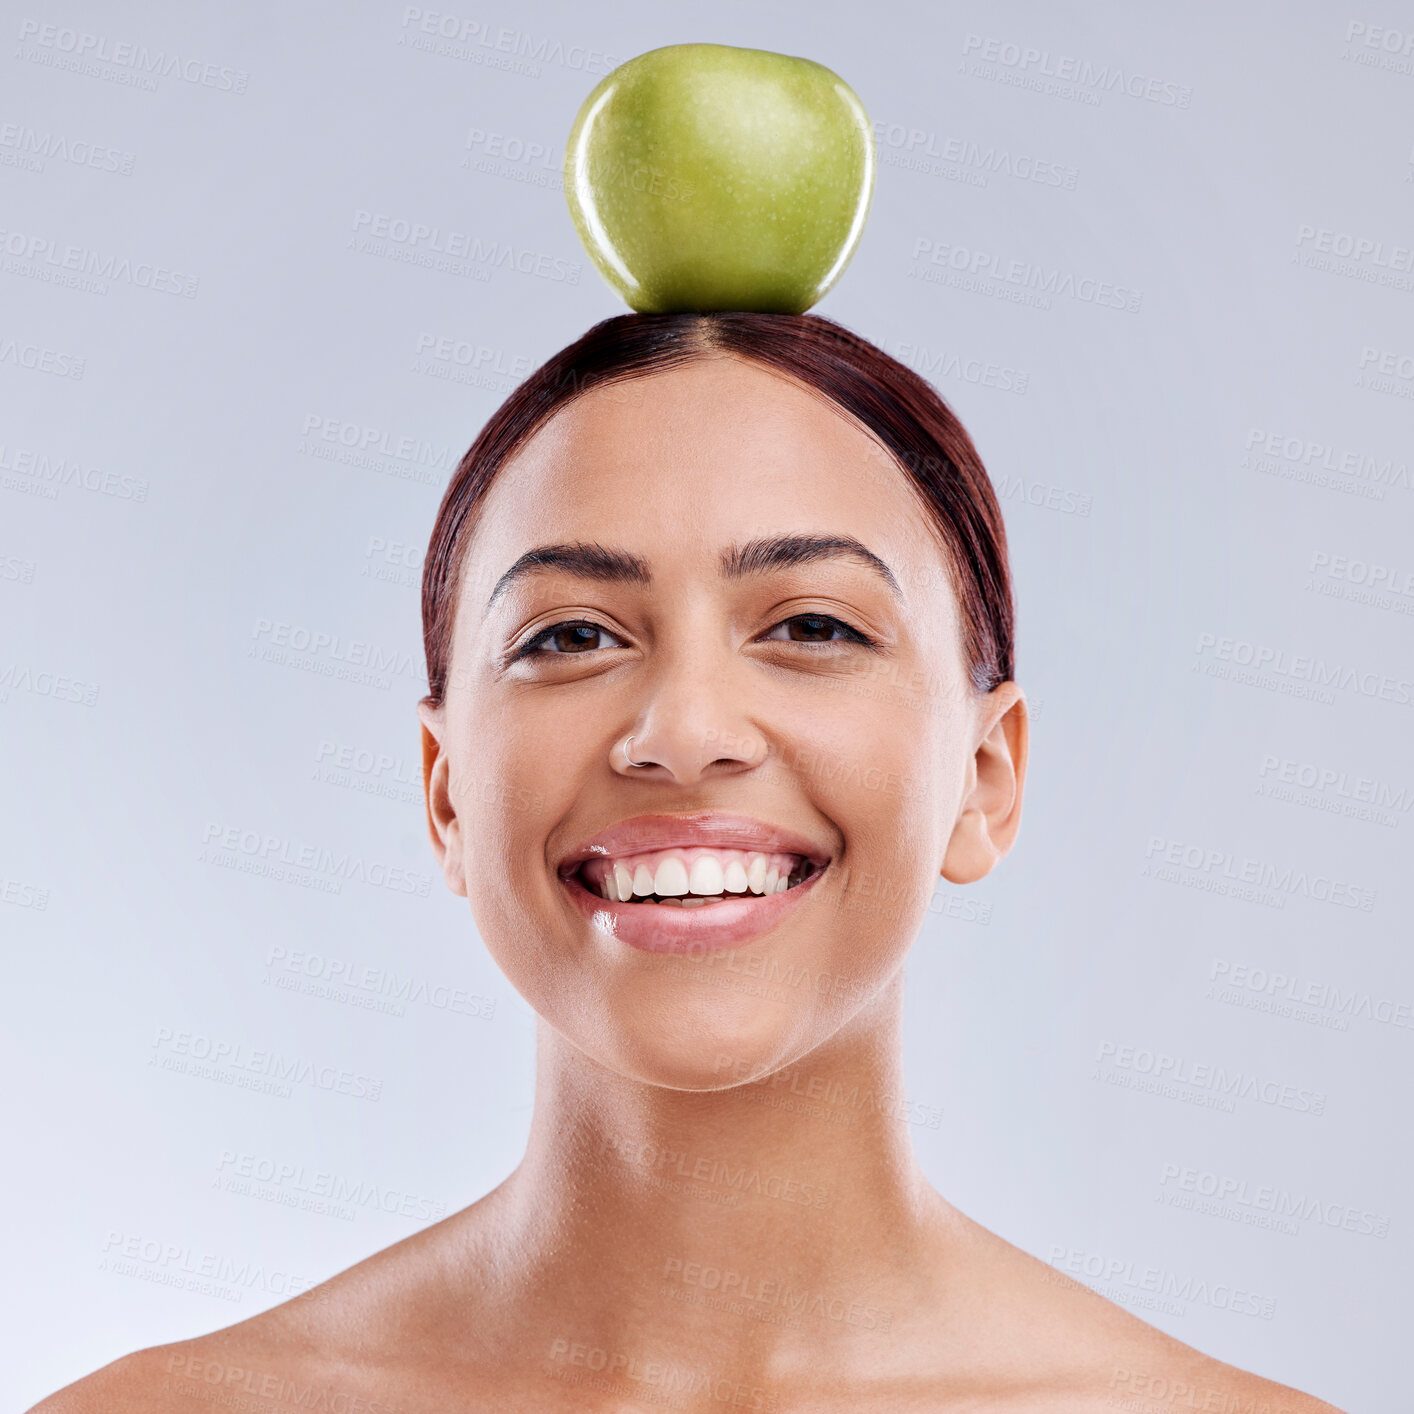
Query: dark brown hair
column 898, row 407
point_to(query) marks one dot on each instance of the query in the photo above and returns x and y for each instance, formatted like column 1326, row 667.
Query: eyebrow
column 613, row 566
column 782, row 551
column 607, row 565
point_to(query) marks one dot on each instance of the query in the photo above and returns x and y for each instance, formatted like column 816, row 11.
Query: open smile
column 699, row 891
column 693, row 878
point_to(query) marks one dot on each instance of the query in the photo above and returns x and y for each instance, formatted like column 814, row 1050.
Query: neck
column 788, row 1214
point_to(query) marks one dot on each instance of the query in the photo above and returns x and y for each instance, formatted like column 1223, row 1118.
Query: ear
column 991, row 804
column 442, row 823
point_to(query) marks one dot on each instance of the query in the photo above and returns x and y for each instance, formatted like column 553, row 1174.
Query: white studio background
column 1158, row 259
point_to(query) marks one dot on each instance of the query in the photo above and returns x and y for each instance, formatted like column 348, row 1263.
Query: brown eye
column 814, row 628
column 571, row 638
column 577, row 636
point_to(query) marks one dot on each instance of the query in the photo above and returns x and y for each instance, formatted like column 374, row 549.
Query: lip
column 731, row 923
column 704, row 829
column 717, row 927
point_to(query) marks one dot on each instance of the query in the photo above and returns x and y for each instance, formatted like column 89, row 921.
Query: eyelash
column 530, row 648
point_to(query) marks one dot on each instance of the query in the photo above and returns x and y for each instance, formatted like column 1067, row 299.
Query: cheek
column 512, row 764
column 871, row 769
column 504, row 822
column 507, row 782
column 521, row 762
column 887, row 765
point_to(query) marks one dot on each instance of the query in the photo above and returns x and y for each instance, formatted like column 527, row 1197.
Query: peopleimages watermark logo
column 393, row 562
column 48, row 472
column 38, row 359
column 496, row 46
column 1356, row 257
column 763, row 1297
column 131, row 1254
column 1306, row 459
column 39, row 257
column 718, row 1180
column 332, row 655
column 476, row 365
column 453, row 252
column 1156, row 1288
column 1215, row 867
column 1334, row 791
column 401, row 456
column 373, row 988
column 1379, row 47
column 824, row 1096
column 265, row 1072
column 1064, row 75
column 650, row 1377
column 120, row 60
column 1305, row 999
column 1020, row 281
column 31, row 149
column 532, row 161
column 1263, row 1205
column 1359, row 581
column 935, row 364
column 16, row 569
column 323, row 1191
column 1198, row 1083
column 58, row 687
column 1294, row 674
column 369, row 772
column 19, row 894
column 278, row 857
column 961, row 160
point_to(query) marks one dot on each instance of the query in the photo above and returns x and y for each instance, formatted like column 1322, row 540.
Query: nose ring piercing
column 630, row 759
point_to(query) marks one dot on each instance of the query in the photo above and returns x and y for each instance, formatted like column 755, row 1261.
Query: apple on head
column 706, row 177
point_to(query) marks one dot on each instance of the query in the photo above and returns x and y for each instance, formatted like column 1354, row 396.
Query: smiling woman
column 719, row 637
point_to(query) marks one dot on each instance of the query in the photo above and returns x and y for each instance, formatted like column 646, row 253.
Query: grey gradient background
column 177, row 497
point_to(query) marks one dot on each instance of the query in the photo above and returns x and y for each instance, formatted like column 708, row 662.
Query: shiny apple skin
column 706, row 177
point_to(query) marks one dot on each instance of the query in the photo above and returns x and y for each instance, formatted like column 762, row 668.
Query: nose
column 693, row 722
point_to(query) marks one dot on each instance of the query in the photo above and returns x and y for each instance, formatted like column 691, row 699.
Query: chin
column 702, row 1034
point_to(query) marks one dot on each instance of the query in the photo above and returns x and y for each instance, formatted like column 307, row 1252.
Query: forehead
column 685, row 461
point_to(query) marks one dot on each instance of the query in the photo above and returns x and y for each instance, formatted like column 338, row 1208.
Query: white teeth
column 706, row 876
column 671, row 878
column 756, row 873
column 694, row 902
column 623, row 883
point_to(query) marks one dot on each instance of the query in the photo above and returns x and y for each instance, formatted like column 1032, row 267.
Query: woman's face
column 734, row 573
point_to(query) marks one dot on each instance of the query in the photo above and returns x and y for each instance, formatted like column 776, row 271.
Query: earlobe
column 443, row 827
column 990, row 815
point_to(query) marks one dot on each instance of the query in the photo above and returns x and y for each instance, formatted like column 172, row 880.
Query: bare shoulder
column 263, row 1359
column 140, row 1383
column 1093, row 1355
column 114, row 1388
column 362, row 1341
column 1154, row 1372
column 328, row 1348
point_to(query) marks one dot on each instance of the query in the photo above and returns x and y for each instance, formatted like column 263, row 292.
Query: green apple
column 707, row 177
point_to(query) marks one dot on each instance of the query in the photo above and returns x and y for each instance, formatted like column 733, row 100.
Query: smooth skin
column 745, row 701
